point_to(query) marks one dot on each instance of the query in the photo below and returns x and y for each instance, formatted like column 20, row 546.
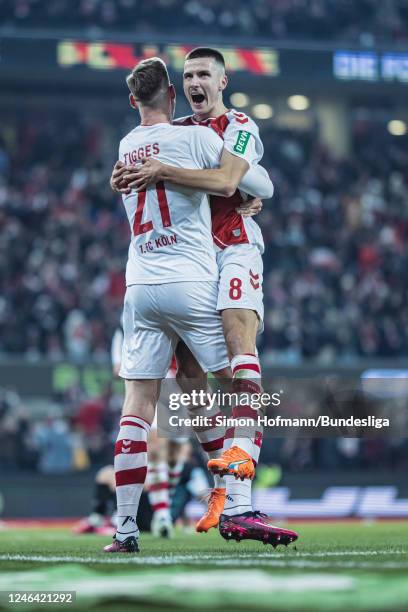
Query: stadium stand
column 64, row 241
column 366, row 22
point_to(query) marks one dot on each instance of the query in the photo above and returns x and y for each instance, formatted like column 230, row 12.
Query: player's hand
column 146, row 173
column 119, row 178
column 250, row 207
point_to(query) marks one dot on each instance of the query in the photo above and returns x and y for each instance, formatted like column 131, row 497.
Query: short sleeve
column 241, row 138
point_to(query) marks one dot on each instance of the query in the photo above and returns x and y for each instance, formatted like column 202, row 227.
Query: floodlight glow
column 298, row 103
column 239, row 100
column 262, row 111
column 396, row 127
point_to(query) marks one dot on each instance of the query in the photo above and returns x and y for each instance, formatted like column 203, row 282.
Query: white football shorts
column 241, row 276
column 156, row 316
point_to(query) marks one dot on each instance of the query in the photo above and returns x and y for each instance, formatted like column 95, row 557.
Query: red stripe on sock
column 132, row 416
column 246, row 366
column 160, row 506
column 258, row 438
column 211, row 423
column 133, row 476
column 213, row 445
column 123, row 423
column 159, row 486
column 122, row 447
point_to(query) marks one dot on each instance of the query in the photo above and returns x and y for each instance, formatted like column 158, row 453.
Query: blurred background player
column 102, row 519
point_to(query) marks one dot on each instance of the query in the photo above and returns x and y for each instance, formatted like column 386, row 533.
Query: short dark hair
column 148, row 79
column 206, row 52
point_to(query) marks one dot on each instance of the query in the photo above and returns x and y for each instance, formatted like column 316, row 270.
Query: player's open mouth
column 197, row 98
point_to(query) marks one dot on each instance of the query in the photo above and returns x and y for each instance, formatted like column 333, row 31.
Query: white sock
column 219, row 482
column 130, row 466
column 238, row 497
column 210, row 437
column 126, row 527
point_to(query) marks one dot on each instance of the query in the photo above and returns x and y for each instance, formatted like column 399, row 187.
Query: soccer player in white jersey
column 239, row 243
column 171, row 278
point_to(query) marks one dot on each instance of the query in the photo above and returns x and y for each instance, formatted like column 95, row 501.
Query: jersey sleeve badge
column 241, row 142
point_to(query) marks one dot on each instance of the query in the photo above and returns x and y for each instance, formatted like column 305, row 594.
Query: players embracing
column 239, row 247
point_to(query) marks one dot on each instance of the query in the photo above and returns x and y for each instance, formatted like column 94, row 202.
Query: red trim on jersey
column 228, row 226
column 127, row 477
column 185, row 121
column 219, row 125
column 242, row 121
column 219, row 244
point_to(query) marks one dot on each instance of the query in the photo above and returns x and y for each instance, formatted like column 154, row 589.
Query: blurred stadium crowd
column 69, row 434
column 336, row 235
column 365, row 22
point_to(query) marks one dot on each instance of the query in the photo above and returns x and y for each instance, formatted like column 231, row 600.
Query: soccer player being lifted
column 239, row 246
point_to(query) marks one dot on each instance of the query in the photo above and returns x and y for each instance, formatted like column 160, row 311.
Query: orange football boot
column 215, row 508
column 234, row 461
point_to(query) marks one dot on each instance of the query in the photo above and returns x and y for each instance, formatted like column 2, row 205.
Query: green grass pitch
column 333, row 566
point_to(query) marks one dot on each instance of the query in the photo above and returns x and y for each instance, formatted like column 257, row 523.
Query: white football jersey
column 241, row 138
column 171, row 238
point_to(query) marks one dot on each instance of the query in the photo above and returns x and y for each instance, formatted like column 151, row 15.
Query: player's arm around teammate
column 233, row 172
column 123, row 176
